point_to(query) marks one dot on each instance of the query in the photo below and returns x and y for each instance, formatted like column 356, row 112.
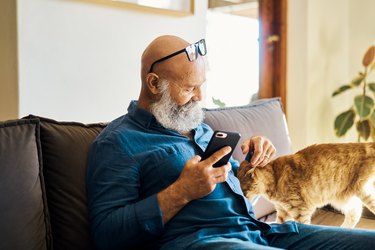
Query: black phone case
column 249, row 155
column 217, row 143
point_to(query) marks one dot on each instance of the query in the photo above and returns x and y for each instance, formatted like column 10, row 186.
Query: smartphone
column 249, row 155
column 219, row 140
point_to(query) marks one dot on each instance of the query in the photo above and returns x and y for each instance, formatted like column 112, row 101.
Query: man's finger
column 221, row 173
column 215, row 157
column 257, row 157
column 246, row 145
column 196, row 158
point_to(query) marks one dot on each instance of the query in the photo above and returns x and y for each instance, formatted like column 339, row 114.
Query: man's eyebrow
column 195, row 84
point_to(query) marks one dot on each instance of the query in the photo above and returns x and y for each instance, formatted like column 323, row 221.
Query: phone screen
column 219, row 140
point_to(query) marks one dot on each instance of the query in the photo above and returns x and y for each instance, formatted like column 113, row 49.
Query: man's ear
column 152, row 82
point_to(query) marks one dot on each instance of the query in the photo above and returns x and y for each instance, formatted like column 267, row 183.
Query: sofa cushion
column 262, row 117
column 329, row 217
column 65, row 147
column 366, row 213
column 24, row 219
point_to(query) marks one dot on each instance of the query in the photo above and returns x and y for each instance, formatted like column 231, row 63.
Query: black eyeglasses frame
column 197, row 48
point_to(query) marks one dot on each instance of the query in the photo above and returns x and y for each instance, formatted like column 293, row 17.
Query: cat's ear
column 251, row 172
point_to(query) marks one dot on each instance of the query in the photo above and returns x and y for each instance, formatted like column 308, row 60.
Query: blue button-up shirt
column 132, row 160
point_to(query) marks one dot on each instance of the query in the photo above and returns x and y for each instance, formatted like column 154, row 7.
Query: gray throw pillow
column 262, row 117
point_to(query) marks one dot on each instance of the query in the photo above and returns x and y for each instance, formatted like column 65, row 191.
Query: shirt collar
column 141, row 115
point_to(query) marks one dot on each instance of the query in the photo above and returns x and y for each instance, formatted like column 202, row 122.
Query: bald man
column 147, row 185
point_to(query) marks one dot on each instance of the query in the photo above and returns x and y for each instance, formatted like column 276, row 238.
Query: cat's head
column 248, row 179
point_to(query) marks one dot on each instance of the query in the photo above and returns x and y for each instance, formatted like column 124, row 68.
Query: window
column 233, row 54
column 272, row 16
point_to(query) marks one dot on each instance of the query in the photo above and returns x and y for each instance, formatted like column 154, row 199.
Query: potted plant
column 362, row 112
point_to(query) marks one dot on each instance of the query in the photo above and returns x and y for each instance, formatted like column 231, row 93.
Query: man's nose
column 197, row 94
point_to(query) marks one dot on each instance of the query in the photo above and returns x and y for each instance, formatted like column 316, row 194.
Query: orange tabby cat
column 342, row 175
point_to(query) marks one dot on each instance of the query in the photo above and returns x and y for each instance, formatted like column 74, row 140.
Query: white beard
column 171, row 116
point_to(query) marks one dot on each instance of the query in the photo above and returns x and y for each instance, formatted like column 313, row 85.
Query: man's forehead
column 192, row 80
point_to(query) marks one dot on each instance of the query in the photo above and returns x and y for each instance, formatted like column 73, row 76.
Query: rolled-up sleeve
column 119, row 218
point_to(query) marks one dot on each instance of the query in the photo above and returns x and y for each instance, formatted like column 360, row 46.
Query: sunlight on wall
column 233, row 58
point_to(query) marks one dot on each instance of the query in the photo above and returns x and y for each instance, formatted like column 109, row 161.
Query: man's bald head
column 159, row 48
column 178, row 69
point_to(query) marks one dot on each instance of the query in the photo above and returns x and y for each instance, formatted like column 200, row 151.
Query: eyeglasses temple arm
column 165, row 58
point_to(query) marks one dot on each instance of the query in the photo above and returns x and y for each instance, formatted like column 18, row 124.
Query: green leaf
column 218, row 102
column 344, row 122
column 341, row 89
column 358, row 80
column 363, row 105
column 363, row 128
column 371, row 86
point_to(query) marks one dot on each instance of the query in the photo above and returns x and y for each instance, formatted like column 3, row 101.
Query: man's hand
column 197, row 179
column 263, row 148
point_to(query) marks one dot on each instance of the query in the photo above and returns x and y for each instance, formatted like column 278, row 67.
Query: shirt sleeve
column 235, row 165
column 119, row 218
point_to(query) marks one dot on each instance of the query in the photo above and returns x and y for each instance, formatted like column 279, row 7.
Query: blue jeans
column 309, row 237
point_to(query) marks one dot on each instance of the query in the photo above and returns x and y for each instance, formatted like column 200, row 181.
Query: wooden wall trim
column 273, row 42
column 9, row 100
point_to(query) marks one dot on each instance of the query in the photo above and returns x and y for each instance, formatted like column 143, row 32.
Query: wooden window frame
column 272, row 49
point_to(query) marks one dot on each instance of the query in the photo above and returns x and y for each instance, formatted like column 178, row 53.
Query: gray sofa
column 43, row 164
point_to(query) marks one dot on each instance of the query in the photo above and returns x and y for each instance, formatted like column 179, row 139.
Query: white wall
column 361, row 32
column 326, row 43
column 80, row 60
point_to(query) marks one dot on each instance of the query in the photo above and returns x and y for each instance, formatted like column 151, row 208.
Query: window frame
column 272, row 49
